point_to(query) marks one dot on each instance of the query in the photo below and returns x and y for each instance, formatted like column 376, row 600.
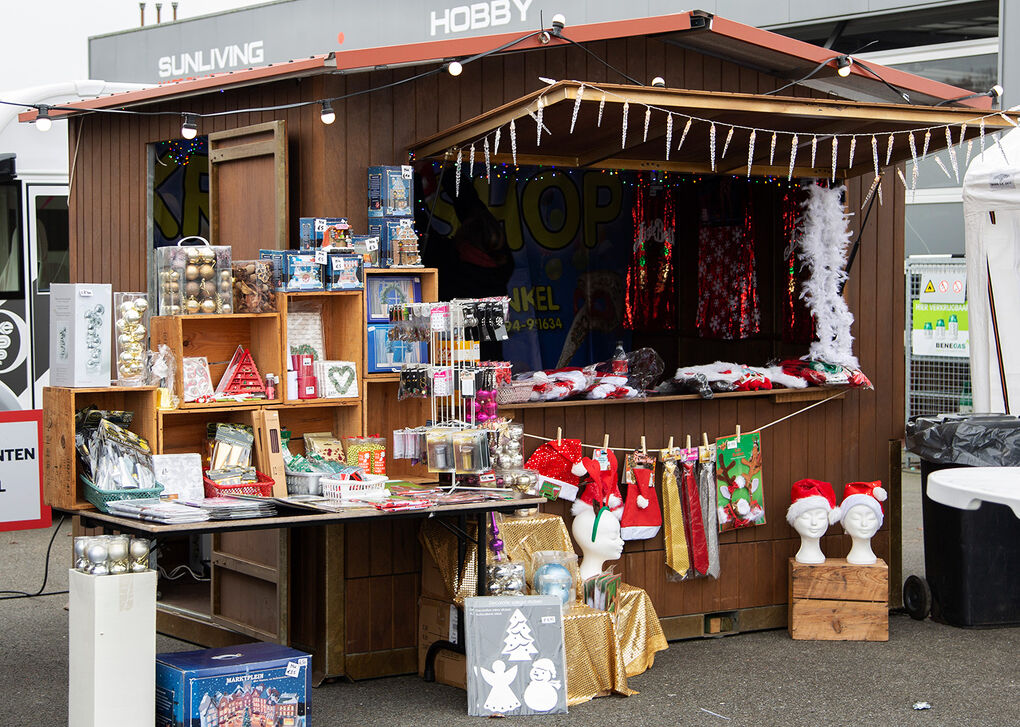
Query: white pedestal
column 112, row 650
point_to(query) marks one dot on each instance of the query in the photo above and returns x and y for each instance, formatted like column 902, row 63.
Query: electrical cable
column 600, row 59
column 46, row 572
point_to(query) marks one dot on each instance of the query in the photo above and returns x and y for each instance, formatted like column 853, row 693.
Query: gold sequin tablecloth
column 600, row 655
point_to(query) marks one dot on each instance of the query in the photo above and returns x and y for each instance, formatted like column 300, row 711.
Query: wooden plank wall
column 838, row 441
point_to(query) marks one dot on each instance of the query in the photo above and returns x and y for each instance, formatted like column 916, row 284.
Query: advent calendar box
column 251, row 684
column 80, row 315
column 389, row 191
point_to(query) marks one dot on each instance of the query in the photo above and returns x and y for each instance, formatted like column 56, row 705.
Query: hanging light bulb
column 658, row 82
column 843, row 64
column 189, row 127
column 455, row 68
column 43, row 122
column 328, row 116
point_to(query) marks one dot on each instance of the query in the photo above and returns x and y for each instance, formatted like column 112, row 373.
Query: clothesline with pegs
column 704, row 435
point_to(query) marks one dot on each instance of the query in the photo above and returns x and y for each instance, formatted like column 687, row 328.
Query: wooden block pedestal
column 839, row 601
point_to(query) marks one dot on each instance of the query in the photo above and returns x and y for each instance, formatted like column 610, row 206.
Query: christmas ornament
column 93, row 338
column 555, row 579
column 117, row 551
column 139, row 553
column 132, row 340
column 824, row 242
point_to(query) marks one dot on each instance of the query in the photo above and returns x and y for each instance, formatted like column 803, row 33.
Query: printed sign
column 940, row 329
column 21, row 499
column 948, row 287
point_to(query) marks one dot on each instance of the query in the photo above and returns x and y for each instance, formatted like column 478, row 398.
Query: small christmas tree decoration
column 519, row 644
column 241, row 377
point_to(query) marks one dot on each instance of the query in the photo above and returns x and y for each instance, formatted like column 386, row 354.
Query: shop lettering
column 17, row 454
column 229, row 56
column 476, row 16
column 246, row 678
column 539, row 298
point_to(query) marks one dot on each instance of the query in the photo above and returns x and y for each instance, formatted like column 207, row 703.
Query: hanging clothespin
column 605, row 443
column 738, row 431
column 670, row 445
column 704, row 439
column 643, row 450
column 688, row 441
column 559, row 435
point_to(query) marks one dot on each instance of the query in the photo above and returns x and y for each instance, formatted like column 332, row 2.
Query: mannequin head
column 860, row 521
column 812, row 523
column 608, row 544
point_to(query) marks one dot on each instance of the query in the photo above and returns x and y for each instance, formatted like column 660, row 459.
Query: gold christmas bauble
column 141, row 305
column 206, row 271
column 208, row 306
column 131, row 315
column 191, row 305
column 226, row 308
column 194, row 253
column 191, row 272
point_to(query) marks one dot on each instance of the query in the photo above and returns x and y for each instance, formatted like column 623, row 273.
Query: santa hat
column 559, row 462
column 810, row 494
column 869, row 494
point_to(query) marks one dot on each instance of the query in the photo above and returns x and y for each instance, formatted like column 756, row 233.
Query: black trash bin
column 971, row 557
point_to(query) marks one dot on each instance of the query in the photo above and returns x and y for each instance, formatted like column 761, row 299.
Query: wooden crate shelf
column 839, row 601
column 61, row 486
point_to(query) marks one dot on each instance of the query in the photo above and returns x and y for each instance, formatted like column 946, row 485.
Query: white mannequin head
column 608, row 544
column 812, row 509
column 812, row 523
column 860, row 521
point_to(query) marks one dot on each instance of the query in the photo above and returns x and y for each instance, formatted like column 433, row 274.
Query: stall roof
column 703, row 32
column 598, row 139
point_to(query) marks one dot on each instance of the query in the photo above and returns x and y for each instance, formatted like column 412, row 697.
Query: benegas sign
column 477, row 16
column 201, row 62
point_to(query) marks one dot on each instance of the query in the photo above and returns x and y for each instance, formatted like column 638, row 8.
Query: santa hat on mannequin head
column 811, row 494
column 559, row 462
column 869, row 494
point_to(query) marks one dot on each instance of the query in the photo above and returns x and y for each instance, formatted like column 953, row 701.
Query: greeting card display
column 741, row 502
column 304, row 330
column 336, row 379
column 516, row 661
column 197, row 381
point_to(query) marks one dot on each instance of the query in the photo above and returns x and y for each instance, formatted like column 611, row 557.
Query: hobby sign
column 476, row 16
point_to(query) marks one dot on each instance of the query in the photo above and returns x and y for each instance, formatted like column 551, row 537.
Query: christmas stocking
column 692, row 506
column 641, row 516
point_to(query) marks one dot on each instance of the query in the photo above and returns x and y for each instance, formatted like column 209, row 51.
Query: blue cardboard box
column 386, row 356
column 389, row 191
column 276, row 257
column 252, row 684
column 301, row 272
column 345, row 271
column 311, row 229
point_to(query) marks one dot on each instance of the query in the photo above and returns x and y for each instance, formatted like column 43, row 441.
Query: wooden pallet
column 839, row 601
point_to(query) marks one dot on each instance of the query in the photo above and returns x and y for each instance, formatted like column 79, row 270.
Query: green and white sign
column 940, row 329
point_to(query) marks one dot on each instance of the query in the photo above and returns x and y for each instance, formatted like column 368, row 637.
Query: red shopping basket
column 262, row 488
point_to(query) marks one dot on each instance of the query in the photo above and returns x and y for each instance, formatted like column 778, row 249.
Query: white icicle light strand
column 952, row 154
column 998, row 143
column 750, row 151
column 513, row 141
column 538, row 122
column 899, row 173
column 772, row 149
column 982, row 134
column 648, row 118
column 913, row 155
column 835, row 154
column 824, row 241
column 471, row 162
column 942, row 166
column 853, row 148
column 874, row 153
column 888, row 150
column 602, row 107
column 669, row 134
column 927, row 141
column 488, row 160
column 495, row 143
column 683, row 136
column 814, row 149
column 793, row 155
column 726, row 144
column 577, row 107
column 623, row 131
column 460, row 158
column 871, row 191
column 711, row 144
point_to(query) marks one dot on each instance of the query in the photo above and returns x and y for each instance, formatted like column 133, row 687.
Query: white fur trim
column 724, row 515
column 642, row 501
column 775, row 373
column 811, row 502
column 639, row 532
column 614, row 502
column 880, row 494
column 578, row 470
column 580, row 506
column 743, row 507
column 833, row 514
column 859, row 499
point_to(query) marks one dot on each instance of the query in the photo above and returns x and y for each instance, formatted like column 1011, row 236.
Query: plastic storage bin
column 972, row 544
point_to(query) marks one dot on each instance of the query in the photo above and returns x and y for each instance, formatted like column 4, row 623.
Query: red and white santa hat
column 558, row 461
column 869, row 494
column 811, row 494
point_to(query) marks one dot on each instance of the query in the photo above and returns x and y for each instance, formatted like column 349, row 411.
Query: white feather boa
column 824, row 240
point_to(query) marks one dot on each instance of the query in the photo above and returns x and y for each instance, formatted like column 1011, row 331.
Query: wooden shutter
column 248, row 194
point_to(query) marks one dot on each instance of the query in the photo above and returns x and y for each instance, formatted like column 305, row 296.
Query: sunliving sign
column 201, row 62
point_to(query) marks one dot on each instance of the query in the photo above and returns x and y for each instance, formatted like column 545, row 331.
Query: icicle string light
column 814, row 149
column 793, row 154
column 750, row 151
column 711, row 145
column 513, row 140
column 669, row 135
column 874, row 153
column 457, row 169
column 577, row 108
column 726, row 144
column 853, row 148
column 538, row 122
column 772, row 149
column 683, row 136
column 648, row 118
column 835, row 155
column 623, row 131
column 602, row 107
column 952, row 154
column 888, row 149
column 488, row 160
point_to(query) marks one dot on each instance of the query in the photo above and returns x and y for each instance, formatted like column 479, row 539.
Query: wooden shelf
column 394, row 376
column 401, row 271
column 317, row 293
column 213, row 405
column 302, row 403
column 219, row 316
column 778, row 396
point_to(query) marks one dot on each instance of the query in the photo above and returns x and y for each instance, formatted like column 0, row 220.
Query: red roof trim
column 190, row 87
column 460, row 47
column 816, row 54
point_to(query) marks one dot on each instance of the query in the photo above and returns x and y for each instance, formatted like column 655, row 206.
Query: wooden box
column 839, row 601
column 61, row 487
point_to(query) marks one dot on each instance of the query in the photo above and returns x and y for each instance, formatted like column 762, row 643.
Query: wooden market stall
column 349, row 591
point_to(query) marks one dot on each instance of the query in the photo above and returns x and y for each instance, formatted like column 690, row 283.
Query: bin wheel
column 917, row 597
